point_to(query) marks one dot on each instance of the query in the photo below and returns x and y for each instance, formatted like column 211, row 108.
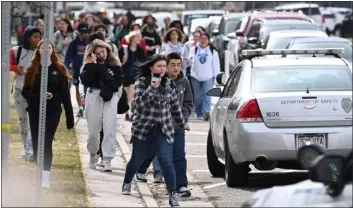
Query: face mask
column 150, row 24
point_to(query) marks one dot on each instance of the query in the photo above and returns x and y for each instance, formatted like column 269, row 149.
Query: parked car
column 311, row 10
column 251, row 123
column 248, row 21
column 347, row 25
column 260, row 30
column 186, row 16
column 334, row 19
column 226, row 31
column 329, row 42
column 281, row 39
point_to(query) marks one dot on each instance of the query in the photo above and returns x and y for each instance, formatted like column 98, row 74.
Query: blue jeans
column 202, row 101
column 179, row 161
column 155, row 142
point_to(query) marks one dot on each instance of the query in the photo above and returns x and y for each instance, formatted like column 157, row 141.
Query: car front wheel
column 216, row 168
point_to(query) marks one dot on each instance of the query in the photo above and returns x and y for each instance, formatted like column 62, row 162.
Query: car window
column 254, row 31
column 306, row 11
column 299, row 79
column 347, row 54
column 233, row 83
column 231, row 25
column 228, row 85
column 221, row 26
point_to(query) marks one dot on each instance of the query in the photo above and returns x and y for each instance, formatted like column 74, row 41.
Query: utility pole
column 48, row 31
column 5, row 86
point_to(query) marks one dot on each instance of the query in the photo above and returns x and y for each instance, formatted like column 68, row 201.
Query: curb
column 143, row 188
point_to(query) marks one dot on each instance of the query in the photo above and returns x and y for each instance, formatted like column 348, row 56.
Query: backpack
column 211, row 48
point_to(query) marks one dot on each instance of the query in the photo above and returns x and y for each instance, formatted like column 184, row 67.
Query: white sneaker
column 45, row 179
column 101, row 164
column 107, row 165
column 141, row 177
column 93, row 159
column 23, row 153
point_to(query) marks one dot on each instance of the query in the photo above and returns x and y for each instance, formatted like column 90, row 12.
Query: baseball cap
column 83, row 27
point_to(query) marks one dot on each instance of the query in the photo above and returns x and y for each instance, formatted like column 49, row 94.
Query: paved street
column 207, row 191
column 216, row 190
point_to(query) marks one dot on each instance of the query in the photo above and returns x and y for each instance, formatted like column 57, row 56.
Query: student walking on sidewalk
column 173, row 43
column 186, row 103
column 20, row 58
column 57, row 93
column 205, row 66
column 103, row 76
column 155, row 101
column 131, row 55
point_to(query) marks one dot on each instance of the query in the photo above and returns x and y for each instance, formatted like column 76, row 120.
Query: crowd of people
column 159, row 83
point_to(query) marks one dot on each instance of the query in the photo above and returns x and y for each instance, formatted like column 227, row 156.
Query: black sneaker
column 206, row 116
column 173, row 201
column 184, row 192
column 126, row 189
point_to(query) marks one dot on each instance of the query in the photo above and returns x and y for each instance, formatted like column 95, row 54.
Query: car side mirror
column 253, row 40
column 214, row 92
column 329, row 170
column 239, row 33
column 221, row 79
column 215, row 32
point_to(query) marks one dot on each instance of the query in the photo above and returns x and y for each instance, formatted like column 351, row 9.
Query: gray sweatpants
column 21, row 105
column 99, row 113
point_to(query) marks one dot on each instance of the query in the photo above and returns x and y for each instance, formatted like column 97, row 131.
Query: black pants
column 51, row 124
column 100, row 153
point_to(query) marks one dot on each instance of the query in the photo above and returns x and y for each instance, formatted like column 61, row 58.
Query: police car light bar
column 292, row 51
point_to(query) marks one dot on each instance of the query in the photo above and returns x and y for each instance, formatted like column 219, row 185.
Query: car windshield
column 280, row 43
column 188, row 18
column 265, row 31
column 231, row 25
column 347, row 47
column 297, row 79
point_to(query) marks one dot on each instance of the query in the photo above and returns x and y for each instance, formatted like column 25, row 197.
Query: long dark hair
column 33, row 69
column 70, row 29
column 144, row 69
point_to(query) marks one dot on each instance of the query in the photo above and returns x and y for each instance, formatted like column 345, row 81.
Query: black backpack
column 211, row 48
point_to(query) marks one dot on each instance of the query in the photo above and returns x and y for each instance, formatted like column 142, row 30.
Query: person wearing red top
column 134, row 27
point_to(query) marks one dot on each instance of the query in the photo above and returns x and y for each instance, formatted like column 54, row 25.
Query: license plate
column 319, row 139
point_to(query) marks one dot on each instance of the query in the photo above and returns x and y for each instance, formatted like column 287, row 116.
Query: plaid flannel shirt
column 155, row 105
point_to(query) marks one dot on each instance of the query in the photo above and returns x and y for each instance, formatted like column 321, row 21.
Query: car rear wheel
column 235, row 174
column 216, row 168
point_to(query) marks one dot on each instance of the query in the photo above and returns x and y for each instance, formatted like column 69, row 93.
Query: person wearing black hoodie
column 103, row 76
column 20, row 59
column 57, row 93
column 150, row 35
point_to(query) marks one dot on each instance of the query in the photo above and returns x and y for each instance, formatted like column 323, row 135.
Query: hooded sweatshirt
column 75, row 53
column 185, row 99
column 204, row 64
column 179, row 48
column 25, row 57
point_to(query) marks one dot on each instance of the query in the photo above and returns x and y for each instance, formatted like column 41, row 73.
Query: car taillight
column 249, row 112
column 322, row 19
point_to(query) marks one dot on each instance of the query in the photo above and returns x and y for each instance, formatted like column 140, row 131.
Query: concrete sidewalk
column 104, row 189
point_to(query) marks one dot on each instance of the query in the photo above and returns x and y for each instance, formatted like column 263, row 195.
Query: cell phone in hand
column 156, row 78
